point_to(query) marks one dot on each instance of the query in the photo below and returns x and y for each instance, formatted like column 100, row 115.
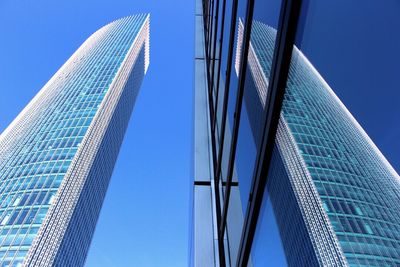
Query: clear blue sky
column 144, row 220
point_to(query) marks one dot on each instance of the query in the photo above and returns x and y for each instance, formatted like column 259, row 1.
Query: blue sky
column 144, row 219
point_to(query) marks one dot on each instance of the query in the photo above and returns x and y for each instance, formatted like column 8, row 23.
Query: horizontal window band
column 208, row 183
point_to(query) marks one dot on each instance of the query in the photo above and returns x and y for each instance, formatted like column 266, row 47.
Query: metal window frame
column 238, row 110
column 210, row 32
column 227, row 86
column 221, row 249
column 221, row 41
column 288, row 24
column 287, row 27
column 213, row 50
column 217, row 160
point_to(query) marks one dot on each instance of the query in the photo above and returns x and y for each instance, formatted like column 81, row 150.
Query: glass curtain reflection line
column 57, row 156
column 337, row 174
column 204, row 241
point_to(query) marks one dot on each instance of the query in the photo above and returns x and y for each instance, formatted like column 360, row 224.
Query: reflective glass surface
column 234, row 220
column 252, row 113
column 330, row 197
column 357, row 187
column 340, row 192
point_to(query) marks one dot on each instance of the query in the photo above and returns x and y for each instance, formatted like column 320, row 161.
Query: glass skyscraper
column 57, row 156
column 343, row 192
column 290, row 178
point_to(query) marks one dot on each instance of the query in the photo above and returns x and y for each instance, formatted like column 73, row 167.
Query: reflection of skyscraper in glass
column 57, row 156
column 334, row 195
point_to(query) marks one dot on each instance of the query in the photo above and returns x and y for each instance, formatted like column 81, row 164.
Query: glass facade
column 357, row 186
column 293, row 179
column 57, row 156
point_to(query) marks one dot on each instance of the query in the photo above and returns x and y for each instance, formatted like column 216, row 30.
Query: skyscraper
column 290, row 179
column 344, row 194
column 57, row 156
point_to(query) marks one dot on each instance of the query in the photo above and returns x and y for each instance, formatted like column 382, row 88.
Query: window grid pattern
column 34, row 167
column 358, row 189
column 77, row 237
column 71, row 218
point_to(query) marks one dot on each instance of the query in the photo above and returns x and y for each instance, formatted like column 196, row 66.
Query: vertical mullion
column 210, row 32
column 221, row 250
column 226, row 91
column 206, row 18
column 288, row 21
column 221, row 40
column 213, row 66
column 238, row 109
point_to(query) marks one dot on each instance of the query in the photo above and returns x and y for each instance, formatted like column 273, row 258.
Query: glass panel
column 256, row 81
column 215, row 55
column 234, row 221
column 203, row 230
column 327, row 177
column 224, row 61
column 267, row 247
